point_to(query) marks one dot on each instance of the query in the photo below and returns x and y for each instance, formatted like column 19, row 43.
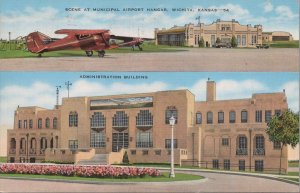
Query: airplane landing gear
column 101, row 53
column 39, row 55
column 140, row 48
column 89, row 53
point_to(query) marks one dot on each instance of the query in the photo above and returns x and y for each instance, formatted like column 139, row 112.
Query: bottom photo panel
column 149, row 132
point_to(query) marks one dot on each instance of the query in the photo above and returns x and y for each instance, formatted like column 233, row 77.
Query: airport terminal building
column 225, row 134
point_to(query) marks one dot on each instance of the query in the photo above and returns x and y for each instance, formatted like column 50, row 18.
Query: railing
column 241, row 151
column 259, row 151
column 12, row 151
column 32, row 151
column 22, row 151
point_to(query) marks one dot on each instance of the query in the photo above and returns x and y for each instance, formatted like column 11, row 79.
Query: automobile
column 262, row 46
column 223, row 45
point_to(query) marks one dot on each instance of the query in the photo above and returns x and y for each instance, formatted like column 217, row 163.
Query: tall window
column 98, row 120
column 168, row 143
column 268, row 116
column 73, row 119
column 253, row 39
column 242, row 146
column 220, row 117
column 120, row 119
column 258, row 116
column 198, row 118
column 144, row 118
column 40, row 123
column 244, row 42
column 232, row 117
column 98, row 139
column 20, row 124
column 225, row 142
column 47, row 123
column 54, row 123
column 25, row 124
column 30, row 124
column 216, row 164
column 73, row 144
column 244, row 116
column 209, row 117
column 238, row 40
column 259, row 165
column 43, row 143
column 226, row 164
column 171, row 111
column 242, row 165
column 144, row 139
column 259, row 145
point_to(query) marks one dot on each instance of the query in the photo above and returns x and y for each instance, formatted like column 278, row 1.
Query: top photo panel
column 157, row 35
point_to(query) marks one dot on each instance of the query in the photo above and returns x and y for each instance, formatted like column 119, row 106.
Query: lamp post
column 27, row 148
column 172, row 123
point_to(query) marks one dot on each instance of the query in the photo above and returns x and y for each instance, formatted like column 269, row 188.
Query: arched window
column 98, row 120
column 209, row 117
column 47, row 123
column 54, row 123
column 43, row 143
column 171, row 111
column 244, row 116
column 51, row 143
column 144, row 119
column 198, row 118
column 40, row 123
column 241, row 145
column 13, row 143
column 120, row 119
column 232, row 117
column 73, row 119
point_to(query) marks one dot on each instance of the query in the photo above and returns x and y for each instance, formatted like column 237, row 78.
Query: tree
column 201, row 42
column 284, row 129
column 218, row 40
column 125, row 158
column 233, row 42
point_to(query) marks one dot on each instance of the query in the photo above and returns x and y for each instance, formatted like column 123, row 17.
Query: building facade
column 277, row 36
column 190, row 34
column 225, row 134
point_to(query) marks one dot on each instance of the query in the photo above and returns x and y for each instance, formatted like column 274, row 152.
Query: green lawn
column 293, row 174
column 68, row 53
column 293, row 179
column 3, row 159
column 163, row 178
column 294, row 164
column 285, row 44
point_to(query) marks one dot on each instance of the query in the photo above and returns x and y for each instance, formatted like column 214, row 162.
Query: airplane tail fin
column 36, row 42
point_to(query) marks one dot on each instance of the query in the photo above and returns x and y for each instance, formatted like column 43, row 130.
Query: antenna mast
column 68, row 84
column 57, row 95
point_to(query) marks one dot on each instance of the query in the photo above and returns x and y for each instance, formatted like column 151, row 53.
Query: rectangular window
column 242, row 165
column 253, row 39
column 277, row 145
column 209, row 117
column 231, row 117
column 216, row 164
column 73, row 144
column 277, row 112
column 244, row 42
column 145, row 152
column 30, row 124
column 19, row 124
column 198, row 118
column 225, row 142
column 171, row 111
column 220, row 117
column 259, row 165
column 226, row 164
column 213, row 40
column 268, row 116
column 25, row 124
column 238, row 40
column 258, row 116
column 244, row 116
column 40, row 123
column 144, row 140
column 97, row 139
column 168, row 143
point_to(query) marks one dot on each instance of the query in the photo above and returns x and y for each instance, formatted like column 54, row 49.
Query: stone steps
column 98, row 159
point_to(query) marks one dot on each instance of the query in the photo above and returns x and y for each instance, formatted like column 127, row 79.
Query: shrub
column 125, row 159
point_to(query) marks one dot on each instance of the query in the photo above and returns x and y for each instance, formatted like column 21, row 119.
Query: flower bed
column 82, row 171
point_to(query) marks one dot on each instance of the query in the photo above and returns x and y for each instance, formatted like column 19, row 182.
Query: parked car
column 223, row 45
column 262, row 46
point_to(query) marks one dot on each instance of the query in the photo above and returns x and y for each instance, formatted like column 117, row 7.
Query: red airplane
column 87, row 40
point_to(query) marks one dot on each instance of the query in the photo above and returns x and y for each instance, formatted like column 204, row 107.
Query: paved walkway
column 213, row 182
column 221, row 60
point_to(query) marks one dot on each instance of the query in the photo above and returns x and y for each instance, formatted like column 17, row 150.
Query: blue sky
column 38, row 88
column 23, row 16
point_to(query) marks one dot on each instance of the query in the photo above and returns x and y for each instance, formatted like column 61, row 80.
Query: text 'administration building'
column 225, row 134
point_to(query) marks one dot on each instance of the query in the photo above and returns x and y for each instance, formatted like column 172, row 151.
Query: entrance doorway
column 119, row 141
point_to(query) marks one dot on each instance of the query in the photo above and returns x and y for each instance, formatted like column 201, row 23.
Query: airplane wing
column 81, row 31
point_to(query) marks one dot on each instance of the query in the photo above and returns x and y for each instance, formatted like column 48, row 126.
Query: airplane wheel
column 89, row 53
column 101, row 53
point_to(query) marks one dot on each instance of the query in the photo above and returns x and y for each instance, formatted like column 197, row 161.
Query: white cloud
column 43, row 95
column 285, row 12
column 292, row 93
column 268, row 6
